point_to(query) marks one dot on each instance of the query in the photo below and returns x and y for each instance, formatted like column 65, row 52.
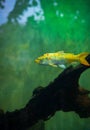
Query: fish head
column 43, row 59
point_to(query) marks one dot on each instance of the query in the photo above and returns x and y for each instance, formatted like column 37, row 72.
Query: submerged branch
column 64, row 93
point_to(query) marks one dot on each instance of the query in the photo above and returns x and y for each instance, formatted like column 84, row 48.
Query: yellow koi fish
column 61, row 59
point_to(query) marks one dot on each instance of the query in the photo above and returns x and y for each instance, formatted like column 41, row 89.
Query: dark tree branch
column 64, row 93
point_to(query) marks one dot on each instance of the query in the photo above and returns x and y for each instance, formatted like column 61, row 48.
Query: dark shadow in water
column 2, row 4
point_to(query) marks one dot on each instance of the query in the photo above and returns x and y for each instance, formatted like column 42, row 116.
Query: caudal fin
column 82, row 59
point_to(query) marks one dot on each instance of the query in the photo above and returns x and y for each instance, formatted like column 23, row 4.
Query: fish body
column 61, row 59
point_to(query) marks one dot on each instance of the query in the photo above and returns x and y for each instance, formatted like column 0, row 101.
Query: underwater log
column 64, row 93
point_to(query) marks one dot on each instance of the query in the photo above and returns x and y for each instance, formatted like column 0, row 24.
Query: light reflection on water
column 35, row 11
column 4, row 13
column 30, row 11
column 11, row 8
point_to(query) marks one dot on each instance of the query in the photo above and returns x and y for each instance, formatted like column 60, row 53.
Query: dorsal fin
column 60, row 51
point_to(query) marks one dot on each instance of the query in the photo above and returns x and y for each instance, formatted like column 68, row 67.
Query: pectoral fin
column 62, row 66
column 52, row 65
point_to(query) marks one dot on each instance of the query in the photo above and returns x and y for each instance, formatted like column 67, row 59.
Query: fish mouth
column 37, row 60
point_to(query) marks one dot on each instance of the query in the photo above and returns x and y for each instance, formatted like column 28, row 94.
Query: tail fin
column 82, row 59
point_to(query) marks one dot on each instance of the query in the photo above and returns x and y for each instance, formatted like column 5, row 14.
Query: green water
column 33, row 28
